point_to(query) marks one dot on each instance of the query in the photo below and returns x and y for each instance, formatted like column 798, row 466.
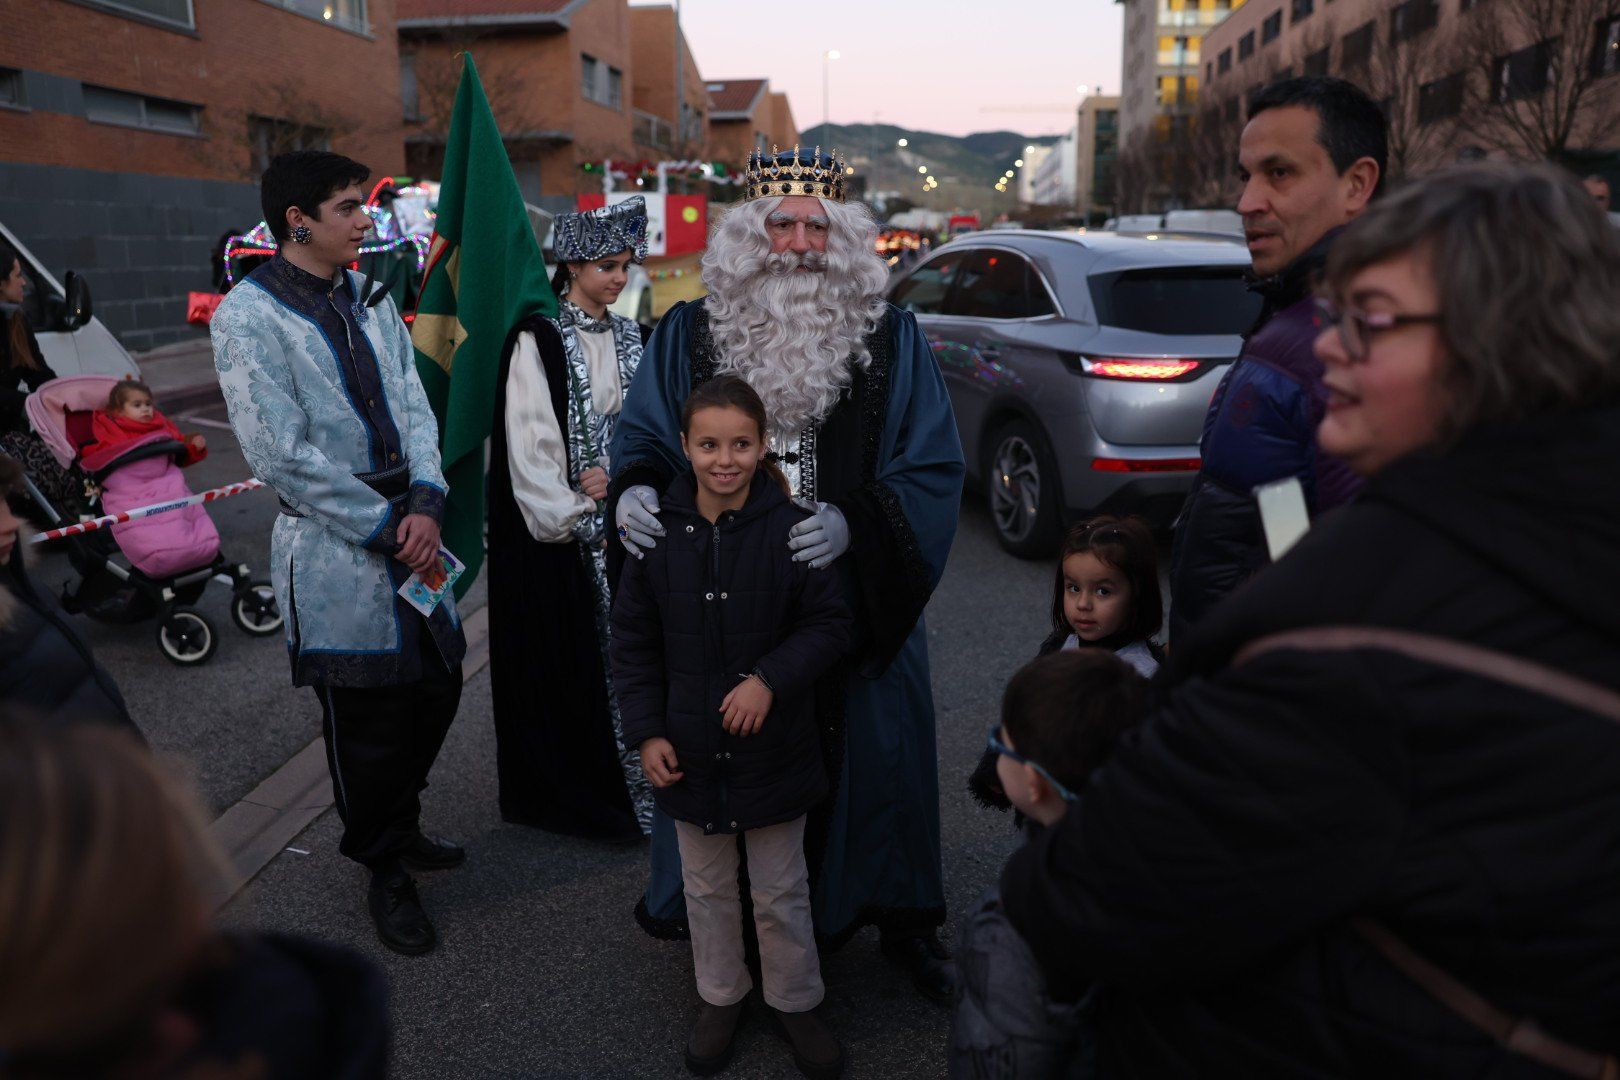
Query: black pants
column 380, row 743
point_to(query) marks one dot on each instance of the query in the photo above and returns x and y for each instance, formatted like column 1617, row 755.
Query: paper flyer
column 423, row 592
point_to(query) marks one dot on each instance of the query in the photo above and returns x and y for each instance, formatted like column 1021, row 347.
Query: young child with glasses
column 1105, row 596
column 1060, row 717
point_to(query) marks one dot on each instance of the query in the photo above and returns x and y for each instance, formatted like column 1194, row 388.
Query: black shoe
column 708, row 1048
column 924, row 958
column 432, row 853
column 815, row 1049
column 401, row 923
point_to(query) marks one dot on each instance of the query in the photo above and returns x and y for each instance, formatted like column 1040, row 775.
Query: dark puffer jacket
column 1209, row 869
column 46, row 669
column 702, row 610
column 1261, row 427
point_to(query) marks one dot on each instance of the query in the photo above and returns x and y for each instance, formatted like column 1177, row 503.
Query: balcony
column 1177, row 58
column 654, row 131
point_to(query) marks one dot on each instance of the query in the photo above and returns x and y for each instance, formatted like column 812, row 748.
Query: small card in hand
column 424, row 591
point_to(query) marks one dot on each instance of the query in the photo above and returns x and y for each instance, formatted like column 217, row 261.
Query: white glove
column 820, row 538
column 634, row 517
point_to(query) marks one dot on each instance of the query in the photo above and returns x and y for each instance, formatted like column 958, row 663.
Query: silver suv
column 1080, row 366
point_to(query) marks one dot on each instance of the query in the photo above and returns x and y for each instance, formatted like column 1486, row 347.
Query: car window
column 997, row 284
column 1176, row 300
column 924, row 292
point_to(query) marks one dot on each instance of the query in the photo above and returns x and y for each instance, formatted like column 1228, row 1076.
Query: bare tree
column 284, row 117
column 1542, row 75
column 1405, row 59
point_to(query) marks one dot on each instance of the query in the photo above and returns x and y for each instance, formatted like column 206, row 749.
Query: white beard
column 793, row 344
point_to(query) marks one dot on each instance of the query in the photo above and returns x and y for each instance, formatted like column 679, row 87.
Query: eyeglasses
column 999, row 747
column 1356, row 328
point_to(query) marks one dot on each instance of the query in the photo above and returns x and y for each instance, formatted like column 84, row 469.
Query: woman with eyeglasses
column 1372, row 827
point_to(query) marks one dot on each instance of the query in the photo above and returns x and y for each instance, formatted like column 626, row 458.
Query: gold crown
column 821, row 177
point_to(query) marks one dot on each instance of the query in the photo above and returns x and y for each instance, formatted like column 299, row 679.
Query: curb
column 257, row 829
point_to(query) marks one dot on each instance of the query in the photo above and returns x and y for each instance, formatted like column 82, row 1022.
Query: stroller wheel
column 186, row 637
column 254, row 610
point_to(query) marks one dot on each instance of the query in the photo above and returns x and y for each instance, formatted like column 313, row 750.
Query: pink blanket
column 164, row 544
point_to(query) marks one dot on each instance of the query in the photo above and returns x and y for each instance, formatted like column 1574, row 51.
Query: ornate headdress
column 605, row 231
column 784, row 173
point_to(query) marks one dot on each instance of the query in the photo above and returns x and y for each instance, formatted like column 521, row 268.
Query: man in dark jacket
column 1311, row 158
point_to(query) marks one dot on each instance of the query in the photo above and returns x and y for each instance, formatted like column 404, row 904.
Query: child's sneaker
column 815, row 1050
column 708, row 1048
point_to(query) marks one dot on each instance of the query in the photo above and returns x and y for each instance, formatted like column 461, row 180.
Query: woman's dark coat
column 18, row 378
column 690, row 620
column 1208, row 870
column 46, row 670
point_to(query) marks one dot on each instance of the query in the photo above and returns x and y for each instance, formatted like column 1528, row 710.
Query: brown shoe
column 708, row 1048
column 815, row 1051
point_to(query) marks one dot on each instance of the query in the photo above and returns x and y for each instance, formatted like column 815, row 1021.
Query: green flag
column 484, row 273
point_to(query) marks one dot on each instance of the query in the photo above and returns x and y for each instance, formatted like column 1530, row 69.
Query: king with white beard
column 862, row 427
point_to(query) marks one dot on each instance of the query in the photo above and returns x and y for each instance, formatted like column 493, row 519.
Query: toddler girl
column 717, row 639
column 1106, row 596
column 130, row 414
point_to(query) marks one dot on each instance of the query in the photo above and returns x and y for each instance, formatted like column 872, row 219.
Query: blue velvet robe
column 881, row 859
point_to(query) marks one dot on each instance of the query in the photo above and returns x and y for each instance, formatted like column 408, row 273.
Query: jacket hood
column 1537, row 498
column 763, row 496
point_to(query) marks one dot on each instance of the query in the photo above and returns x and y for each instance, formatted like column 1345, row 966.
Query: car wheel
column 1022, row 490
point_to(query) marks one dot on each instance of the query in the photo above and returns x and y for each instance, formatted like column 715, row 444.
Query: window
column 1245, row 46
column 1412, row 18
column 1283, row 73
column 1606, row 47
column 136, row 110
column 997, row 284
column 600, row 83
column 924, row 292
column 350, row 14
column 410, row 94
column 1317, row 62
column 1271, row 29
column 1176, row 300
column 1231, row 110
column 1441, row 99
column 11, row 88
column 1223, row 62
column 271, row 137
column 1522, row 74
column 1357, row 48
column 173, row 12
column 1301, row 9
column 588, row 75
column 1209, row 70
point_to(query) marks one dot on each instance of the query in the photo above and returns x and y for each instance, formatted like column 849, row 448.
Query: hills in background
column 966, row 166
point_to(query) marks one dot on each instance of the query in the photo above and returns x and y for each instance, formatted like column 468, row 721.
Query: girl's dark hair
column 123, row 389
column 559, row 280
column 1126, row 544
column 732, row 392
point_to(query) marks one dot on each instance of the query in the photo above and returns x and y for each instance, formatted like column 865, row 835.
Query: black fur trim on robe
column 556, row 758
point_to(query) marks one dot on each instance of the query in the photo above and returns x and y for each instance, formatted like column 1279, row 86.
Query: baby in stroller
column 165, row 544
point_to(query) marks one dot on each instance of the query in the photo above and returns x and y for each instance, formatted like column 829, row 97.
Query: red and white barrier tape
column 147, row 511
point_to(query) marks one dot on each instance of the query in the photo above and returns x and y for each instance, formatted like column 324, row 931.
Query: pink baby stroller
column 172, row 556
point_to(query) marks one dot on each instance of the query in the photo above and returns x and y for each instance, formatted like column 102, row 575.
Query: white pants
column 779, row 883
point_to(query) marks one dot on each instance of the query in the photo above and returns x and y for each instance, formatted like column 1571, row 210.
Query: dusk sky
column 936, row 65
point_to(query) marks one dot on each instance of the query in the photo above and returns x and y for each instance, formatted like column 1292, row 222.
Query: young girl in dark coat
column 717, row 638
column 1106, row 596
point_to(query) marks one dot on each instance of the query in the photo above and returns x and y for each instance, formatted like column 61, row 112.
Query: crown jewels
column 818, row 175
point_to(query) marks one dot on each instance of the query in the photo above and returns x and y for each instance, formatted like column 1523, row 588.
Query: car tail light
column 1136, row 465
column 1138, row 369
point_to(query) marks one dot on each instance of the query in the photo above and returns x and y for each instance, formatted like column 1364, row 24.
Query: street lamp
column 903, row 142
column 826, row 63
column 922, row 169
column 1019, row 164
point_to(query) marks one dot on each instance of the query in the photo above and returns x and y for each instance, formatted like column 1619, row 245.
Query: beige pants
column 779, row 883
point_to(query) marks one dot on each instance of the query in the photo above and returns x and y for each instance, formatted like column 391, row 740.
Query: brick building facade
column 671, row 102
column 745, row 113
column 132, row 133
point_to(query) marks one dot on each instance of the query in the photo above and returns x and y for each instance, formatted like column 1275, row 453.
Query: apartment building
column 1455, row 78
column 1163, row 42
column 558, row 75
column 670, row 98
column 745, row 113
column 132, row 132
column 1096, row 156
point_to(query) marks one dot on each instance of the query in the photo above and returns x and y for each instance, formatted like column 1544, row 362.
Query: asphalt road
column 541, row 971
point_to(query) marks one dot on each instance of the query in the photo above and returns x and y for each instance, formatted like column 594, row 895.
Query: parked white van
column 72, row 339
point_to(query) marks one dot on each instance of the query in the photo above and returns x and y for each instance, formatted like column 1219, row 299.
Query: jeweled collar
column 571, row 314
column 301, row 281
